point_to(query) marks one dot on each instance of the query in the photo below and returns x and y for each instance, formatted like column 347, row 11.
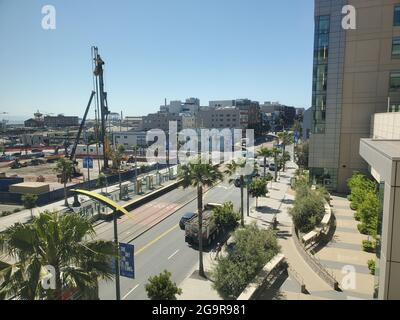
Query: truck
column 210, row 228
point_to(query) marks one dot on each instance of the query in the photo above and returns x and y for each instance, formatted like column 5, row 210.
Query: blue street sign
column 88, row 163
column 296, row 136
column 127, row 260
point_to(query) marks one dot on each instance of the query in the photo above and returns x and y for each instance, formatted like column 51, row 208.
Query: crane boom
column 73, row 151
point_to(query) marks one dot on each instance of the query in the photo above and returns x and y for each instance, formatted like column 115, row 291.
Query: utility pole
column 104, row 112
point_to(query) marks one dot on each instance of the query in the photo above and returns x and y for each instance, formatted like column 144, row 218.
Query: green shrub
column 226, row 215
column 353, row 206
column 360, row 186
column 6, row 213
column 372, row 266
column 368, row 211
column 16, row 210
column 362, row 228
column 368, row 246
column 253, row 248
column 357, row 216
column 308, row 211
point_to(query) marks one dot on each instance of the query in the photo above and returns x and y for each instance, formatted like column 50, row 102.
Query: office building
column 356, row 74
column 382, row 153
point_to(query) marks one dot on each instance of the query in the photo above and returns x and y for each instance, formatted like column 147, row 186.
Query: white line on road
column 126, row 296
column 169, row 258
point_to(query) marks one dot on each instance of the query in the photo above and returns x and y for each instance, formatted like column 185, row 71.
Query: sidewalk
column 195, row 287
column 278, row 201
column 345, row 250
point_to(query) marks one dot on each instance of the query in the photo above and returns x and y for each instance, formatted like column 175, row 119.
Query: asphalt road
column 162, row 247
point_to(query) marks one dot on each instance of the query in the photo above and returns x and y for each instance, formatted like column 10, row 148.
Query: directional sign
column 127, row 260
column 88, row 163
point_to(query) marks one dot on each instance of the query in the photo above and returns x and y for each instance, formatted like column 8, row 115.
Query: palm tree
column 29, row 201
column 59, row 241
column 265, row 153
column 198, row 174
column 231, row 169
column 64, row 168
column 286, row 139
column 117, row 155
column 276, row 152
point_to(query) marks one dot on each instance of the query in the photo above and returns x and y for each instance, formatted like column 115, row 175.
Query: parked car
column 272, row 167
column 185, row 218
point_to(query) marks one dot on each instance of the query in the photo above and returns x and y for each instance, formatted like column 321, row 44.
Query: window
column 396, row 21
column 395, row 81
column 396, row 47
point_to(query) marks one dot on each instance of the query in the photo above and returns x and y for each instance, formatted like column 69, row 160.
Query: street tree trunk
column 241, row 200
column 265, row 166
column 65, row 194
column 276, row 167
column 200, row 234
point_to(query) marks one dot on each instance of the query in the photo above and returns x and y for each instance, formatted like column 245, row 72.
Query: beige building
column 221, row 118
column 382, row 153
column 356, row 74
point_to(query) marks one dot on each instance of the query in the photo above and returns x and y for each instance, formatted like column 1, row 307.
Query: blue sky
column 154, row 49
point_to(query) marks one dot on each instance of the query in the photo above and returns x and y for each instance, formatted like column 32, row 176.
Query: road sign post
column 127, row 260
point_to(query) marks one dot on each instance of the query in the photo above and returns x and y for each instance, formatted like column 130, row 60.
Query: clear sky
column 154, row 49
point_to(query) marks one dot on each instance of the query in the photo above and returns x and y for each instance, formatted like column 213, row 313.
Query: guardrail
column 314, row 264
column 271, row 268
column 314, row 235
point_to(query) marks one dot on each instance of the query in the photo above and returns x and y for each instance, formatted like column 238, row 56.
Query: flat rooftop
column 388, row 148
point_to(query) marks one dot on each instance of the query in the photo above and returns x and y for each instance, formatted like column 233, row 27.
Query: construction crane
column 78, row 136
column 98, row 73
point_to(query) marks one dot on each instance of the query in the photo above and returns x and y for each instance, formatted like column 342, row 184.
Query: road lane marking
column 133, row 289
column 156, row 239
column 169, row 258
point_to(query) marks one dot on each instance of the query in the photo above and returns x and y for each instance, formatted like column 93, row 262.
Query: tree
column 117, row 156
column 252, row 249
column 265, row 153
column 64, row 167
column 162, row 288
column 302, row 153
column 29, row 201
column 283, row 159
column 286, row 139
column 258, row 188
column 297, row 127
column 226, row 215
column 101, row 182
column 276, row 152
column 369, row 212
column 360, row 186
column 308, row 211
column 63, row 241
column 233, row 168
column 199, row 175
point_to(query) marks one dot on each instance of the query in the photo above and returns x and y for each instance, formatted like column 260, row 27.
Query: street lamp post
column 116, row 260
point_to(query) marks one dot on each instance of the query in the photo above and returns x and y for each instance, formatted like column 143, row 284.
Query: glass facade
column 326, row 177
column 394, row 81
column 320, row 72
column 396, row 20
column 396, row 47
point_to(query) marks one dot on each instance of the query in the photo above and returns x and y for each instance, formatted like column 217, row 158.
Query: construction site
column 33, row 170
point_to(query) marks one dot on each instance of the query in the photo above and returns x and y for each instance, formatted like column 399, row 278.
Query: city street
column 163, row 247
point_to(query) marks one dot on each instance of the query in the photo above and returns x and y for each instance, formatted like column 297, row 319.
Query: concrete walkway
column 195, row 287
column 278, row 202
column 345, row 252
